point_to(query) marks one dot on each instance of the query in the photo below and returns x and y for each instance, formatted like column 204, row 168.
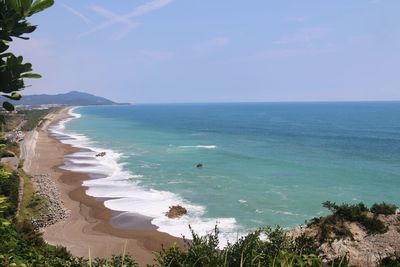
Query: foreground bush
column 9, row 183
column 275, row 249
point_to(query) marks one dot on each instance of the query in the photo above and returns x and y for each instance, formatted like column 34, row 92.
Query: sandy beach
column 88, row 230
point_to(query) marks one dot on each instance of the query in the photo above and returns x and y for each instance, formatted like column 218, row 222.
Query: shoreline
column 89, row 229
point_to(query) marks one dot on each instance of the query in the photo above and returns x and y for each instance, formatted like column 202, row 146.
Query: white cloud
column 114, row 17
column 125, row 19
column 78, row 14
column 129, row 25
column 149, row 7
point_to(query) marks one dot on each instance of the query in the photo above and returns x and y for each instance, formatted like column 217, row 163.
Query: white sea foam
column 128, row 195
column 200, row 146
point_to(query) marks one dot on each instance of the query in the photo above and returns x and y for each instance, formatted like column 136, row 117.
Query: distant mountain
column 72, row 98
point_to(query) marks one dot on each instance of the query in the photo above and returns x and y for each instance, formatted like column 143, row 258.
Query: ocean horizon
column 263, row 163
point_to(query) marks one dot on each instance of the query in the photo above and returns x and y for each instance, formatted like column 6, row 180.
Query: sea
column 263, row 164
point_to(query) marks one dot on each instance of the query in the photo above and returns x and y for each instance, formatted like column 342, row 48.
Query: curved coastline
column 127, row 197
column 89, row 230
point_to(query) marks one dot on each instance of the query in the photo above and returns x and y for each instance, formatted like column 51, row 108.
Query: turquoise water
column 264, row 164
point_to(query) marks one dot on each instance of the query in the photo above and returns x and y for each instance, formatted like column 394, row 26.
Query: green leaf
column 31, row 75
column 14, row 5
column 14, row 96
column 40, row 5
column 8, row 106
column 5, row 223
column 3, row 46
column 19, row 60
column 25, row 5
column 23, row 38
column 30, row 28
column 5, row 55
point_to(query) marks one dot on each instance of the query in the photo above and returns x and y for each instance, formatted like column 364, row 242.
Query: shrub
column 373, row 225
column 9, row 183
column 383, row 208
column 390, row 261
column 347, row 211
column 38, row 206
column 353, row 213
column 123, row 261
column 251, row 250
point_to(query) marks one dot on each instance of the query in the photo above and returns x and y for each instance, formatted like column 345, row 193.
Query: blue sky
column 166, row 51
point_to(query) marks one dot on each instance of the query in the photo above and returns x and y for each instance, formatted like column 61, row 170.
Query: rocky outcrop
column 362, row 249
column 176, row 212
column 47, row 189
column 101, row 154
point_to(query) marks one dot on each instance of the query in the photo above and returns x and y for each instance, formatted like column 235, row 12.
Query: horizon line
column 264, row 102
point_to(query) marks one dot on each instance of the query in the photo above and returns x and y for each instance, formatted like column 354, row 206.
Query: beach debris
column 176, row 211
column 200, row 165
column 101, row 154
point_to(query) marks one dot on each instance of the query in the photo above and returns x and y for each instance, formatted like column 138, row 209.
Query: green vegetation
column 14, row 24
column 7, row 148
column 12, row 121
column 9, row 183
column 383, row 208
column 334, row 225
column 33, row 118
column 37, row 207
column 275, row 249
column 28, row 206
column 391, row 261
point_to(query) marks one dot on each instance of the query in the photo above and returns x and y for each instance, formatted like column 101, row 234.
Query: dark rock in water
column 101, row 154
column 176, row 212
column 200, row 165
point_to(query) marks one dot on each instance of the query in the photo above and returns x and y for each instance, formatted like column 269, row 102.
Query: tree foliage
column 14, row 24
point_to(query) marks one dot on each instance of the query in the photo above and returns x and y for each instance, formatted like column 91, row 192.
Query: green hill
column 71, row 98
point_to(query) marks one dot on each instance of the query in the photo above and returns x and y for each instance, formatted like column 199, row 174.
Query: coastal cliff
column 353, row 231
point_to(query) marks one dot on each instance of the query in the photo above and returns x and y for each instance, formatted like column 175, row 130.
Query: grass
column 26, row 212
column 38, row 206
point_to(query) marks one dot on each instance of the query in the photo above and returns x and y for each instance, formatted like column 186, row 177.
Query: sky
column 182, row 51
